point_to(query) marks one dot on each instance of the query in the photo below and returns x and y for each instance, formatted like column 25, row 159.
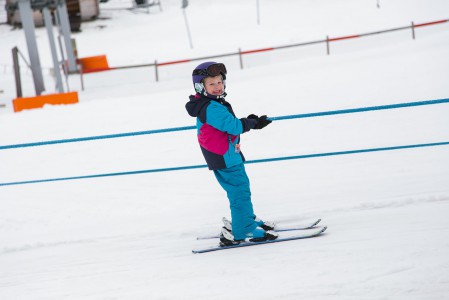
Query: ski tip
column 316, row 223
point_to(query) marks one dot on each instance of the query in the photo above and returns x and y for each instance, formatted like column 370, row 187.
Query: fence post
column 413, row 30
column 241, row 58
column 15, row 59
column 155, row 68
column 81, row 71
column 327, row 45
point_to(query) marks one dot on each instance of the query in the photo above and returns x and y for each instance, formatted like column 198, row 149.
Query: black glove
column 261, row 121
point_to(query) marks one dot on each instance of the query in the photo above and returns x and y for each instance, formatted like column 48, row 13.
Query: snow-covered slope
column 130, row 237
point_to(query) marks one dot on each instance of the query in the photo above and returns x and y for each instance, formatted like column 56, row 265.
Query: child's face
column 214, row 85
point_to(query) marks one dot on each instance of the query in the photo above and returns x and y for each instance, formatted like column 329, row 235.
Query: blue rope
column 248, row 162
column 104, row 175
column 299, row 116
column 361, row 109
column 98, row 137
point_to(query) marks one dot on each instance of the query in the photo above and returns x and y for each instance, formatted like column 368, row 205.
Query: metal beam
column 26, row 16
column 64, row 27
column 15, row 59
column 54, row 53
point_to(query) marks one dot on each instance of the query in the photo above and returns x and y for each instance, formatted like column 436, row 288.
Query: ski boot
column 264, row 225
column 257, row 235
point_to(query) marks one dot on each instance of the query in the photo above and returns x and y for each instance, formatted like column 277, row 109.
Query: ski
column 277, row 229
column 314, row 232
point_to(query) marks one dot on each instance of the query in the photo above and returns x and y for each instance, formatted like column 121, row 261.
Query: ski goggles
column 212, row 70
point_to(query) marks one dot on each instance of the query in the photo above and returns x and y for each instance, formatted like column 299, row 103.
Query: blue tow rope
column 298, row 116
column 247, row 162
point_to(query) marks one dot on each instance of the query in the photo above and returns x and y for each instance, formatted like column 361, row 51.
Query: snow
column 130, row 237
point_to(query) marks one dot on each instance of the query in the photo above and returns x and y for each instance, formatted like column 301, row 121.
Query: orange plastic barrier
column 94, row 63
column 39, row 101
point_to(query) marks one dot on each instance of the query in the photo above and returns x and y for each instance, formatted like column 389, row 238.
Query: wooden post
column 241, row 58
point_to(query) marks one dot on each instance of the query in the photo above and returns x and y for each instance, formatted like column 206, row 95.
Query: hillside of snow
column 131, row 236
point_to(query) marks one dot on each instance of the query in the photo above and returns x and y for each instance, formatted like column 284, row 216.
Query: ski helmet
column 208, row 69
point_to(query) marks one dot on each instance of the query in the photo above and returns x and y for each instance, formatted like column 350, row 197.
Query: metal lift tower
column 26, row 8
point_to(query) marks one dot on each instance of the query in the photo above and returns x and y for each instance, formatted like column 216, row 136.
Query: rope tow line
column 298, row 116
column 247, row 162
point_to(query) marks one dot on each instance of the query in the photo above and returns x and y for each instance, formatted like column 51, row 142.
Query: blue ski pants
column 236, row 184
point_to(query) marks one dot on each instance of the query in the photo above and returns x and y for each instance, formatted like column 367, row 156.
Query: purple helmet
column 204, row 70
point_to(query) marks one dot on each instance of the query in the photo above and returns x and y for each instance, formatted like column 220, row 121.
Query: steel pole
column 54, row 54
column 15, row 59
column 26, row 16
column 64, row 24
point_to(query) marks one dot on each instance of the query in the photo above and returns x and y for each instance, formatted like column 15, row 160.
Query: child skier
column 218, row 132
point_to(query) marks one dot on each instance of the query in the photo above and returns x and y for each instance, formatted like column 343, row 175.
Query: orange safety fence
column 39, row 101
